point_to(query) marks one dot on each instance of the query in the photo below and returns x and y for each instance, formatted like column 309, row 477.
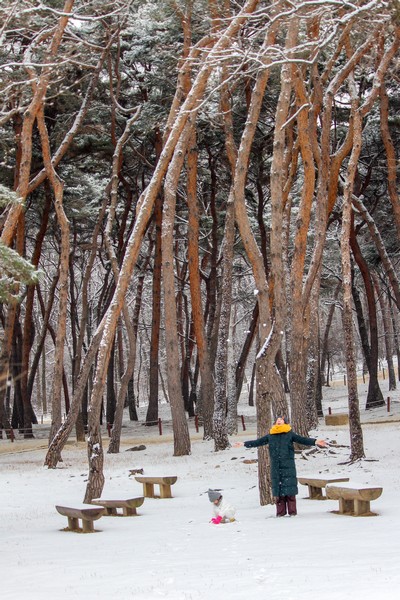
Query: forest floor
column 171, row 551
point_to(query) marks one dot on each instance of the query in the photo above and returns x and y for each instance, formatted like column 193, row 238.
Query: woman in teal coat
column 280, row 440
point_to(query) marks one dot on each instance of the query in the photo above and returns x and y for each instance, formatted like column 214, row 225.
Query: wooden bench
column 337, row 419
column 86, row 513
column 317, row 484
column 128, row 506
column 164, row 483
column 353, row 499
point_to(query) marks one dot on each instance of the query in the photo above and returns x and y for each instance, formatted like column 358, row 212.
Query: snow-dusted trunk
column 113, row 447
column 356, row 435
column 60, row 439
column 119, row 407
column 390, row 152
column 231, row 418
column 207, row 382
column 179, row 422
column 221, row 440
column 63, row 223
column 95, row 484
column 299, row 332
column 220, row 432
column 313, row 375
column 387, row 333
column 152, row 409
column 269, row 384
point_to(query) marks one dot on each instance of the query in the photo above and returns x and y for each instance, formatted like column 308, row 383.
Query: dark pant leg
column 280, row 506
column 291, row 505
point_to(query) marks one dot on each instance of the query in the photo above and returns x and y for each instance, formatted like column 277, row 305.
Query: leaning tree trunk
column 60, row 439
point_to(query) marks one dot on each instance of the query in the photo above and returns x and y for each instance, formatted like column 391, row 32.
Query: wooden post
column 243, row 425
column 196, row 423
column 388, row 403
column 329, row 410
column 160, row 426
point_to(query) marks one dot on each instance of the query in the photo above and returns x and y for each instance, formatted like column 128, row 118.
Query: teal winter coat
column 281, row 452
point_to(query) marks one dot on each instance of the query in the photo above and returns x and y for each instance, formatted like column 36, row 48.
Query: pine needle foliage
column 14, row 269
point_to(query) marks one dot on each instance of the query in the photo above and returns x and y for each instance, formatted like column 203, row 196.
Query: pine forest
column 199, row 200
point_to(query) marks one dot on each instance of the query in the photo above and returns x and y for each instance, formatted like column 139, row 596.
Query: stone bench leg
column 346, row 507
column 128, row 511
column 165, row 490
column 148, row 490
column 87, row 526
column 362, row 507
column 111, row 511
column 315, row 493
column 73, row 523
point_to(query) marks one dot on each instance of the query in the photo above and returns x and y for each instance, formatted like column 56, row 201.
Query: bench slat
column 127, row 502
column 149, row 483
column 128, row 506
column 316, row 485
column 92, row 513
column 320, row 482
column 366, row 493
column 164, row 480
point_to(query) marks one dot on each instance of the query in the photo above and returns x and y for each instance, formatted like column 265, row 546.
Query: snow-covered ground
column 172, row 551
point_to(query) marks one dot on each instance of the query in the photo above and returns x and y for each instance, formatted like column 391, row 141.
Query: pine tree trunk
column 152, row 410
column 374, row 394
column 387, row 334
column 390, row 156
column 313, row 361
column 221, row 441
column 356, row 435
column 299, row 333
column 63, row 224
column 207, row 382
column 60, row 439
column 95, row 484
column 179, row 423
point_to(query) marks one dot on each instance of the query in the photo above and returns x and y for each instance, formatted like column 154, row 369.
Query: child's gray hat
column 214, row 495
